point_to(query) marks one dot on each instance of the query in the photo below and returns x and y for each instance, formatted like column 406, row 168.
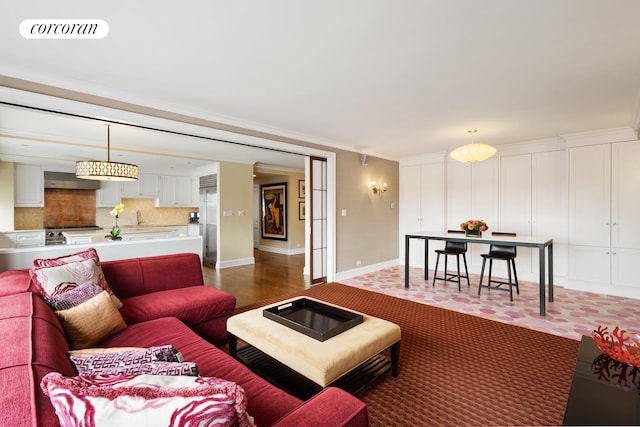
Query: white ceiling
column 393, row 78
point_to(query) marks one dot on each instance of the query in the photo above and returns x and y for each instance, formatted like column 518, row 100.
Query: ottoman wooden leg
column 233, row 345
column 395, row 358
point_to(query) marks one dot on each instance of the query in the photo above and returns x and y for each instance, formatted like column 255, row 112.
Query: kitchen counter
column 18, row 258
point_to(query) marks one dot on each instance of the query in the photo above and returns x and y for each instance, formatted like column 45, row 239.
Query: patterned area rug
column 460, row 370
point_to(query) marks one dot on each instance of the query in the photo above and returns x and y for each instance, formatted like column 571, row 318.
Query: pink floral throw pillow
column 61, row 278
column 134, row 400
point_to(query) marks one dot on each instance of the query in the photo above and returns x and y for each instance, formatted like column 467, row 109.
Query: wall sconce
column 377, row 188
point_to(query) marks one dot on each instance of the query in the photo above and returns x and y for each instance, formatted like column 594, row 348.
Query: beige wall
column 6, row 196
column 235, row 192
column 369, row 231
column 295, row 226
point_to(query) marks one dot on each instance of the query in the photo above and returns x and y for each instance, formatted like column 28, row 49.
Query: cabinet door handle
column 607, row 253
column 615, row 223
column 606, row 223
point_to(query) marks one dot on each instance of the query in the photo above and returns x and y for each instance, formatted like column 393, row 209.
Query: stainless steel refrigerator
column 209, row 217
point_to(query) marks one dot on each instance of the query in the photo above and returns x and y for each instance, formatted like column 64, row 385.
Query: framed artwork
column 302, row 214
column 302, row 190
column 274, row 211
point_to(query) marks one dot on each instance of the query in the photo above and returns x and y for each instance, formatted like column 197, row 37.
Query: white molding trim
column 602, row 136
column 437, row 157
column 530, row 147
column 235, row 262
column 348, row 274
column 282, row 251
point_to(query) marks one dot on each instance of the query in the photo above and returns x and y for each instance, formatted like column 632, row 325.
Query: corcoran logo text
column 64, row 29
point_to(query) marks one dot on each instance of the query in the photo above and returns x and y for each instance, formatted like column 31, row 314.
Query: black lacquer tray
column 313, row 318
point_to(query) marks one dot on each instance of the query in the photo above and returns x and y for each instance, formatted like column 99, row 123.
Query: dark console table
column 603, row 391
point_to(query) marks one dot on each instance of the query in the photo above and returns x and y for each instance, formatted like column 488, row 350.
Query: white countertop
column 123, row 230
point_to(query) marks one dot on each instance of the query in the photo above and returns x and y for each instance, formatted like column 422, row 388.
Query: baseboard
column 281, row 251
column 344, row 275
column 235, row 262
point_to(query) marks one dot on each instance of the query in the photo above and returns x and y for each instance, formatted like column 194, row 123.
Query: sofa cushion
column 33, row 345
column 130, row 400
column 138, row 276
column 92, row 321
column 16, row 281
column 192, row 305
column 266, row 402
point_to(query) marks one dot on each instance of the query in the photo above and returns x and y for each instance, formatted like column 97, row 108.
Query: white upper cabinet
column 147, row 185
column 176, row 191
column 29, row 186
column 108, row 195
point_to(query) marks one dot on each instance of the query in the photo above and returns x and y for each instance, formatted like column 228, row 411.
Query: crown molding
column 602, row 136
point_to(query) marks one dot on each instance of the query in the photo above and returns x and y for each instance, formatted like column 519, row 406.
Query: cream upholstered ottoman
column 322, row 362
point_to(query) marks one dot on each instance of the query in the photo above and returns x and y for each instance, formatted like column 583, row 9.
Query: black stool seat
column 502, row 253
column 454, row 249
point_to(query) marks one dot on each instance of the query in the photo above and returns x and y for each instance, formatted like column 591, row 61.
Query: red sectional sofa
column 164, row 302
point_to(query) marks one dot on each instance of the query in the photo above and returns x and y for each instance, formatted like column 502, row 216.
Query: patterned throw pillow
column 152, row 368
column 61, row 278
column 134, row 400
column 125, row 361
column 73, row 297
column 91, row 322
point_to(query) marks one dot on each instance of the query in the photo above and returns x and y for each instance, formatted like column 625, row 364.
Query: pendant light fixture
column 106, row 171
column 473, row 152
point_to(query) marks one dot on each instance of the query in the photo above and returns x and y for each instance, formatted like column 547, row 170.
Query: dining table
column 543, row 244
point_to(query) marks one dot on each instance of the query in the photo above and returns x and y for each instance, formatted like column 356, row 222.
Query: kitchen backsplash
column 32, row 218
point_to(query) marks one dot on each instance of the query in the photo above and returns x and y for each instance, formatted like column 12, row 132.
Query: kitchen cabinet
column 22, row 239
column 147, row 185
column 604, row 207
column 421, row 204
column 108, row 195
column 29, row 186
column 176, row 191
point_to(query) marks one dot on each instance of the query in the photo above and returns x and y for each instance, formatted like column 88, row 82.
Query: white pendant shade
column 473, row 153
column 106, row 171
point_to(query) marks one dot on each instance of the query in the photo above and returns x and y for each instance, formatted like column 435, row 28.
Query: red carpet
column 457, row 369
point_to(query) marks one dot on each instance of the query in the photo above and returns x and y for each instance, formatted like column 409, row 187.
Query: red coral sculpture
column 618, row 345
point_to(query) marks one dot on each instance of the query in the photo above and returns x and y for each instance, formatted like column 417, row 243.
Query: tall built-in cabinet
column 604, row 212
column 421, row 202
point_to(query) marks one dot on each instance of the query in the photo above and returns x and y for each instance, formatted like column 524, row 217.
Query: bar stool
column 455, row 249
column 504, row 253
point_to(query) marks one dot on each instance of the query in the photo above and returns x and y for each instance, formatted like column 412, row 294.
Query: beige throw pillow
column 91, row 322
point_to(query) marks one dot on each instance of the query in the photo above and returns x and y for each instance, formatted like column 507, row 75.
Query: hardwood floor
column 272, row 275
